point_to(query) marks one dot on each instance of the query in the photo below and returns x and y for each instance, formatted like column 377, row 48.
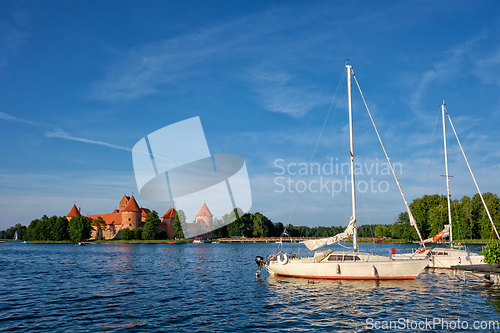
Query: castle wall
column 131, row 220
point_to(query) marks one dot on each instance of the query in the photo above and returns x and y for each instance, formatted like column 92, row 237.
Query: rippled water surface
column 212, row 288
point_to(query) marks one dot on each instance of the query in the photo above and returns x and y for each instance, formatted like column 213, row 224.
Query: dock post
column 464, row 275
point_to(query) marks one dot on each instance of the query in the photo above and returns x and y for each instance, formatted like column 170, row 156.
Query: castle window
column 130, row 224
column 129, row 219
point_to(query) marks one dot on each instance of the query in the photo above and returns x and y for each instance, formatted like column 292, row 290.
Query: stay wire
column 388, row 159
column 317, row 142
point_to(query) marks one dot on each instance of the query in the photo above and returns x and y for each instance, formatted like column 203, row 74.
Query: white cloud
column 13, row 36
column 8, row 117
column 59, row 133
column 280, row 92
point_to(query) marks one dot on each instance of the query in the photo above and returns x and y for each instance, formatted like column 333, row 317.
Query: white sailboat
column 15, row 236
column 443, row 257
column 343, row 265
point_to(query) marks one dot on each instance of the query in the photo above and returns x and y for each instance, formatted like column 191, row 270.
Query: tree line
column 469, row 218
column 468, row 215
column 79, row 229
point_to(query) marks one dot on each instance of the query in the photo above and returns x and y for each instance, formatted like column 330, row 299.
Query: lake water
column 213, row 288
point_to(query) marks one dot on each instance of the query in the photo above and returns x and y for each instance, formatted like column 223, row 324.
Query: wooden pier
column 294, row 239
column 261, row 240
column 490, row 275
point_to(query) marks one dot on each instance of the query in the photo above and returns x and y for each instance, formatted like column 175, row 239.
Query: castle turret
column 204, row 218
column 131, row 214
column 123, row 203
column 74, row 212
column 167, row 222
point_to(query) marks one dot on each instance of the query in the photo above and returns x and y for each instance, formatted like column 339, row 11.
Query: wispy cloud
column 488, row 67
column 64, row 135
column 59, row 133
column 454, row 64
column 280, row 92
column 148, row 69
column 13, row 36
column 145, row 68
column 8, row 117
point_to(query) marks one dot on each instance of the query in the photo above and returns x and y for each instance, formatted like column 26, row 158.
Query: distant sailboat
column 443, row 257
column 15, row 236
column 344, row 265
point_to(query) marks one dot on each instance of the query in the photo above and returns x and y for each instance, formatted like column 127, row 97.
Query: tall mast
column 353, row 187
column 447, row 176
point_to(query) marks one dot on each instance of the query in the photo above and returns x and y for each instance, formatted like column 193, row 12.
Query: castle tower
column 131, row 214
column 74, row 212
column 204, row 218
column 123, row 202
column 167, row 222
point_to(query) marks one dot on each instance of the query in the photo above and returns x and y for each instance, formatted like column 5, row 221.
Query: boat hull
column 378, row 268
column 444, row 258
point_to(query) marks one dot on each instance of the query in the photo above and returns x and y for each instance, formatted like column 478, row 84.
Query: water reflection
column 212, row 287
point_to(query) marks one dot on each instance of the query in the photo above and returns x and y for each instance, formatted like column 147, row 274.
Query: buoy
column 338, row 269
column 374, row 270
column 283, row 259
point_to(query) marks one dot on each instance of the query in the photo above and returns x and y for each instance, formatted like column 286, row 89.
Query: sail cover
column 314, row 244
column 442, row 234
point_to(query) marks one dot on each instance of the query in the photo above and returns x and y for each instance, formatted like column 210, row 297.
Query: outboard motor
column 260, row 262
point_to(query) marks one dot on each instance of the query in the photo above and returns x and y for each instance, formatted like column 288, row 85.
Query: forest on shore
column 469, row 218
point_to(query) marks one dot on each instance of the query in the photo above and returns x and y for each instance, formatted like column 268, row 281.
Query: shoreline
column 247, row 240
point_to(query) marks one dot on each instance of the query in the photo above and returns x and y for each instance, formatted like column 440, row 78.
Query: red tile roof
column 145, row 211
column 112, row 218
column 73, row 212
column 170, row 214
column 132, row 206
column 204, row 211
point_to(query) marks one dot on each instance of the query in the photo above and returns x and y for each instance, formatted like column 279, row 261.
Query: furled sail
column 314, row 244
column 443, row 234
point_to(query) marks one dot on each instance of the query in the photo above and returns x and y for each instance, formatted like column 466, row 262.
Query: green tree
column 127, row 234
column 220, row 228
column 178, row 233
column 381, row 230
column 151, row 226
column 437, row 218
column 469, row 227
column 80, row 229
column 59, row 230
column 234, row 229
column 278, row 229
column 420, row 209
column 237, row 223
column 99, row 225
column 40, row 229
column 402, row 228
column 31, row 233
column 493, row 203
column 138, row 233
column 262, row 226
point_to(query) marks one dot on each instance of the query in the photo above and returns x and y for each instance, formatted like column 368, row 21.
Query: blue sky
column 82, row 81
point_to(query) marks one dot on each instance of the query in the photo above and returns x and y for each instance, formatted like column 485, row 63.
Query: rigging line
column 412, row 219
column 319, row 138
column 426, row 154
column 460, row 230
column 474, row 178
